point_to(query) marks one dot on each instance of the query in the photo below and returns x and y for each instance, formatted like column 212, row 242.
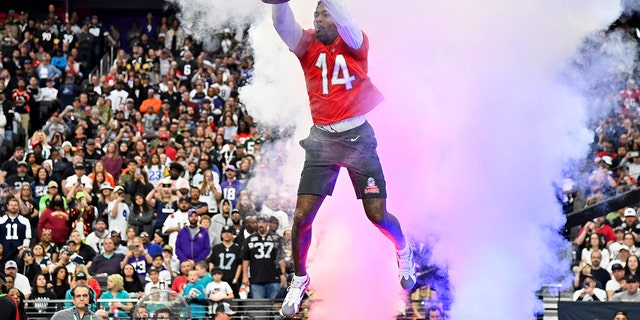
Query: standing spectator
column 193, row 241
column 180, row 282
column 231, row 187
column 138, row 257
column 270, row 207
column 78, row 182
column 221, row 220
column 141, row 216
column 98, row 33
column 226, row 256
column 96, row 238
column 15, row 229
column 163, row 202
column 176, row 221
column 118, row 211
column 263, row 252
column 47, row 71
column 55, row 217
column 194, row 294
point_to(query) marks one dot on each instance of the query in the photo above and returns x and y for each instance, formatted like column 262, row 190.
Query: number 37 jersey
column 336, row 77
column 264, row 255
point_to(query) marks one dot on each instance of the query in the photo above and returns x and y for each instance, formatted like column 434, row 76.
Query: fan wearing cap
column 21, row 177
column 231, row 187
column 631, row 224
column 117, row 210
column 82, row 213
column 163, row 141
column 78, row 181
column 217, row 289
column 615, row 284
column 226, row 257
column 192, row 241
column 589, row 292
column 152, row 101
column 631, row 293
column 224, row 312
column 20, row 281
column 177, row 220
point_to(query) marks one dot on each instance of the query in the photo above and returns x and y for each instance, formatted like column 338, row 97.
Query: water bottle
column 115, row 312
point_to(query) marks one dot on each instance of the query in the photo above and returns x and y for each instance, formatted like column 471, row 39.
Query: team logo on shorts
column 371, row 186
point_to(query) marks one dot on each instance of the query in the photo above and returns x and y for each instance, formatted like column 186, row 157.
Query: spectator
column 60, row 282
column 47, row 71
column 595, row 243
column 231, row 187
column 81, row 305
column 41, row 259
column 266, row 280
column 15, row 229
column 192, row 241
column 91, row 281
column 19, row 298
column 589, row 292
column 118, row 210
column 82, row 215
column 180, row 282
column 163, row 202
column 194, row 294
column 28, row 266
column 55, row 217
column 631, row 293
column 41, row 294
column 80, row 279
column 132, row 283
column 601, row 275
column 115, row 291
column 108, row 262
column 176, row 221
column 141, row 217
column 138, row 257
column 270, row 207
column 221, row 220
column 223, row 312
column 96, row 238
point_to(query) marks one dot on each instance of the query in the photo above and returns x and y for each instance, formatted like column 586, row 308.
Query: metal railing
column 105, row 63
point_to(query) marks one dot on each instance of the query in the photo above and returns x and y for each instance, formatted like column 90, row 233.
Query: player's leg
column 376, row 210
column 307, row 206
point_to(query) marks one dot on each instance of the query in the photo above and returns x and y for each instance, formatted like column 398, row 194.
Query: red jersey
column 337, row 80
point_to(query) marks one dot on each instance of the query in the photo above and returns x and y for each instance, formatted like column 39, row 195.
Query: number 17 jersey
column 336, row 78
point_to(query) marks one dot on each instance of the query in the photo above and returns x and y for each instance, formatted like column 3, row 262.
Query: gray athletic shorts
column 353, row 149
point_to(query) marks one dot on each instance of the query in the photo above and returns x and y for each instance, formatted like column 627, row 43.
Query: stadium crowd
column 606, row 254
column 137, row 179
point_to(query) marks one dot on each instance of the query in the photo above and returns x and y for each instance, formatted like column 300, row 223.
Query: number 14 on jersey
column 340, row 76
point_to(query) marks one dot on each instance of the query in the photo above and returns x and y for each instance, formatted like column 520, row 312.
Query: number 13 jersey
column 336, row 77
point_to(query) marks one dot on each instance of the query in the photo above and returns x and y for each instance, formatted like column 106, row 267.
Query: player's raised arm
column 350, row 33
column 286, row 25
